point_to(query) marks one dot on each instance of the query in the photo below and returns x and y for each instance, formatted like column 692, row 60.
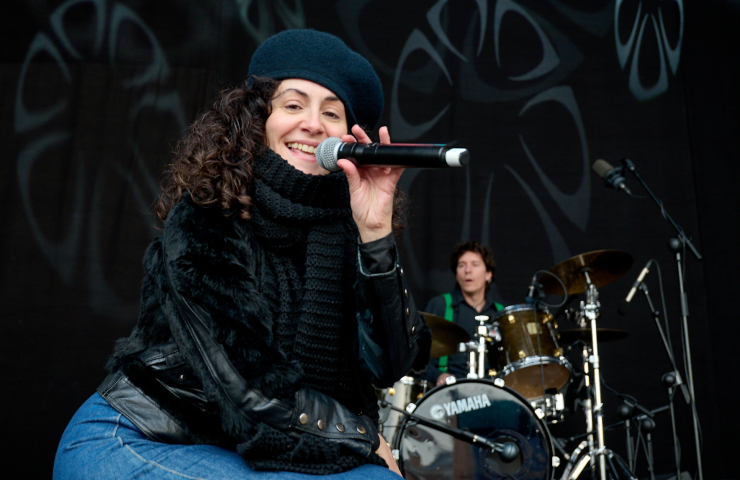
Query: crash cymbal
column 584, row 335
column 603, row 267
column 446, row 336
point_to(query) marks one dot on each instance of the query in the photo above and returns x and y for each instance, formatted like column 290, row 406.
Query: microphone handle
column 399, row 155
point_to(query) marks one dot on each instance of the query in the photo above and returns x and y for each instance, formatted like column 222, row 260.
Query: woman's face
column 303, row 115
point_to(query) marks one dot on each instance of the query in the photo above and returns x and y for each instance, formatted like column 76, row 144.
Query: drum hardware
column 581, row 457
column 430, row 445
column 585, row 273
column 552, row 406
column 477, row 351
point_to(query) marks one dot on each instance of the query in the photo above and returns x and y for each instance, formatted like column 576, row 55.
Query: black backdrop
column 96, row 92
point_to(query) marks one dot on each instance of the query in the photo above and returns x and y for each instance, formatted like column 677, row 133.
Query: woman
column 274, row 299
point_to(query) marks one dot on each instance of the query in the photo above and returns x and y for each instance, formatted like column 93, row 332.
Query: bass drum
column 498, row 414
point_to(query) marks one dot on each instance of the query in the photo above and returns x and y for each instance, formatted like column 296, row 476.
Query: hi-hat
column 446, row 336
column 602, row 266
column 584, row 334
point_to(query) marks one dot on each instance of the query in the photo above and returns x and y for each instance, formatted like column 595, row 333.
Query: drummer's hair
column 473, row 246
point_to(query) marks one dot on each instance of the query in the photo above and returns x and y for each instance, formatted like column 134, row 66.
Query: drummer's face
column 471, row 273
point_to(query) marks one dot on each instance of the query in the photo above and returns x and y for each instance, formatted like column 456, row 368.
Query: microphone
column 533, row 294
column 389, row 155
column 612, row 175
column 624, row 306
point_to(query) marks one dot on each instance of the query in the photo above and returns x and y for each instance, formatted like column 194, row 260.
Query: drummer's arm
column 393, row 336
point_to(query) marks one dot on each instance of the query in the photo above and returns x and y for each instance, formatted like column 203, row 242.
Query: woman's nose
column 312, row 123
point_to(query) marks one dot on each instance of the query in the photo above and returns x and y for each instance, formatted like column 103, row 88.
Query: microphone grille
column 602, row 167
column 326, row 154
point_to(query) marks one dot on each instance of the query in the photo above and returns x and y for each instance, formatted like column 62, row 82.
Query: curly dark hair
column 472, row 246
column 213, row 161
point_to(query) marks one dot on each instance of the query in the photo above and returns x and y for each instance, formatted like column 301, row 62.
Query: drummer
column 474, row 268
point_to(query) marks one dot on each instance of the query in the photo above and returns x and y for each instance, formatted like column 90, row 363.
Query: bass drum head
column 498, row 414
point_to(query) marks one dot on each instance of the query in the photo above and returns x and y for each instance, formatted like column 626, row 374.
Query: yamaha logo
column 460, row 406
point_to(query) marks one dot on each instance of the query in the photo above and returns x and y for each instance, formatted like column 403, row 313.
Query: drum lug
column 396, row 455
column 411, row 407
column 555, row 461
column 499, row 382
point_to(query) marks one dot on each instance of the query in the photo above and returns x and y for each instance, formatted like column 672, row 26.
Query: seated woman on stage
column 274, row 299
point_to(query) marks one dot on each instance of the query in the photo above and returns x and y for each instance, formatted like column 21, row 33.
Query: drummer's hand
column 384, row 451
column 371, row 190
column 442, row 379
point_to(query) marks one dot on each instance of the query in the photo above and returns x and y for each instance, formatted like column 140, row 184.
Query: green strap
column 442, row 365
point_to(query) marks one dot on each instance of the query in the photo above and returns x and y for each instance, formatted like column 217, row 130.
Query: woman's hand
column 384, row 451
column 371, row 190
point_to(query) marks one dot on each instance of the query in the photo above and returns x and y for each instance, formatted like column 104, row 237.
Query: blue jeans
column 100, row 443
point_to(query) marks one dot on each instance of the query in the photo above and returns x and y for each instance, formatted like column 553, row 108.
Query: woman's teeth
column 302, row 147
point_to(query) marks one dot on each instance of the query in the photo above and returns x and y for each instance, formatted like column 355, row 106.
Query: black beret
column 324, row 59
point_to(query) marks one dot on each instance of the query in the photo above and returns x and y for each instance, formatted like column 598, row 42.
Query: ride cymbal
column 603, row 267
column 446, row 336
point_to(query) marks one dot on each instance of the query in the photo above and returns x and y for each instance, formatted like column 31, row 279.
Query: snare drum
column 528, row 353
column 406, row 390
column 496, row 413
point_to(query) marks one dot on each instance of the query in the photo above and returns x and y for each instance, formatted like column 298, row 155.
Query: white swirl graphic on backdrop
column 649, row 15
column 262, row 24
column 46, row 130
column 465, row 70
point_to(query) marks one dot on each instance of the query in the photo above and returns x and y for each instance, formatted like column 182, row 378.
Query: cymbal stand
column 477, row 351
column 591, row 309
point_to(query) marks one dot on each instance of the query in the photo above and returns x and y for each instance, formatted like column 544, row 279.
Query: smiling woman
column 271, row 304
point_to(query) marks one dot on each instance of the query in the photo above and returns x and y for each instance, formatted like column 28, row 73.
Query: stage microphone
column 612, row 175
column 389, row 155
column 624, row 306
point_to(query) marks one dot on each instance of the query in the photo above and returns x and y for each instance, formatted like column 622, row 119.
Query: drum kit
column 494, row 424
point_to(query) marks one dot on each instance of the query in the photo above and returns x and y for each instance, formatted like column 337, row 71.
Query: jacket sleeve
column 393, row 336
column 223, row 327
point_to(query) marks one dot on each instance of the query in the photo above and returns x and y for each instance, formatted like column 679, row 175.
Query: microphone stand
column 507, row 451
column 676, row 247
column 676, row 383
column 681, row 235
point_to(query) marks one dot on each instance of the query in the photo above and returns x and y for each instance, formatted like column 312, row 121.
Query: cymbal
column 603, row 267
column 445, row 335
column 584, row 335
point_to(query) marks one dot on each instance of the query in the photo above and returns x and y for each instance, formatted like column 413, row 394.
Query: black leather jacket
column 393, row 339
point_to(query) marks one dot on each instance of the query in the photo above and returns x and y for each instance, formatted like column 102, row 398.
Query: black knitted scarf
column 303, row 223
